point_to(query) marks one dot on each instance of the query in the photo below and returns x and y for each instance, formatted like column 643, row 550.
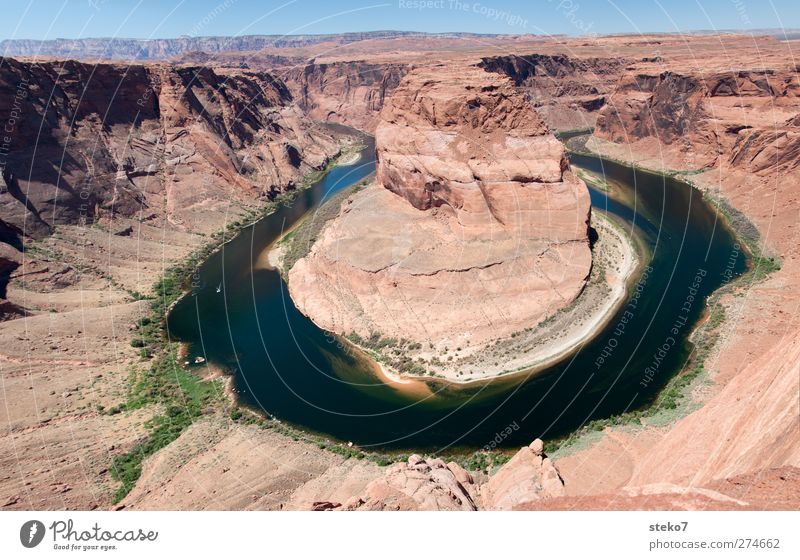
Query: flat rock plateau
column 137, row 164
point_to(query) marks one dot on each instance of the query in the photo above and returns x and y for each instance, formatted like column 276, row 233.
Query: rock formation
column 419, row 484
column 475, row 229
column 431, row 484
column 529, row 475
column 741, row 443
column 729, row 122
column 98, row 141
column 10, row 259
column 567, row 92
column 162, row 49
column 692, row 120
column 349, row 92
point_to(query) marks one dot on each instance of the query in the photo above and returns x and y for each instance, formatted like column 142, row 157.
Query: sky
column 50, row 19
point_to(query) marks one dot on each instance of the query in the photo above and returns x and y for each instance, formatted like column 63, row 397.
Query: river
column 241, row 317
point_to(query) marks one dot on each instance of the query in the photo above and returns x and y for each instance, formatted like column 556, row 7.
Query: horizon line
column 759, row 30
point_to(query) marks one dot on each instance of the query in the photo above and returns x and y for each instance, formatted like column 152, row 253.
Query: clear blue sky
column 39, row 19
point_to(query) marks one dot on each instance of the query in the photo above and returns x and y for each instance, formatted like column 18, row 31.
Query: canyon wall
column 735, row 135
column 744, row 119
column 90, row 142
column 130, row 168
column 175, row 147
column 349, row 92
column 57, row 444
column 568, row 92
column 475, row 229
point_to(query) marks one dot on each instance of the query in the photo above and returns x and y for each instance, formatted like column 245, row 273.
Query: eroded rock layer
column 431, row 484
column 87, row 142
column 568, row 92
column 475, row 229
column 744, row 119
column 349, row 92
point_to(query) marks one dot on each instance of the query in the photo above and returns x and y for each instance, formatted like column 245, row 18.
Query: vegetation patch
column 164, row 382
column 180, row 395
column 487, row 462
column 565, row 135
column 392, row 352
column 762, row 265
column 348, row 152
column 593, row 179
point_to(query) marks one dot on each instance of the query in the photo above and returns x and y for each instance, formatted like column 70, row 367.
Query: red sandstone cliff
column 349, row 92
column 747, row 427
column 736, row 131
column 743, row 119
column 568, row 92
column 89, row 142
column 476, row 228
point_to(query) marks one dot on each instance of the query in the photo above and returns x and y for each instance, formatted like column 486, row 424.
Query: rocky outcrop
column 95, row 141
column 669, row 107
column 765, row 152
column 10, row 259
column 431, row 484
column 530, row 475
column 349, row 92
column 566, row 91
column 417, row 485
column 699, row 121
column 475, row 229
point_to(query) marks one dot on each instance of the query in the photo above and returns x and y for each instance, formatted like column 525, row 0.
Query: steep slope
column 57, row 448
column 475, row 229
column 743, row 118
column 567, row 91
column 736, row 134
column 91, row 142
column 131, row 166
column 350, row 92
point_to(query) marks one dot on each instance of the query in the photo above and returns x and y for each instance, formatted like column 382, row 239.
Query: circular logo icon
column 31, row 533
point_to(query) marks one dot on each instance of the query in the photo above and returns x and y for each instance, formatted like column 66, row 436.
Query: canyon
column 474, row 229
column 113, row 174
column 208, row 145
column 98, row 141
